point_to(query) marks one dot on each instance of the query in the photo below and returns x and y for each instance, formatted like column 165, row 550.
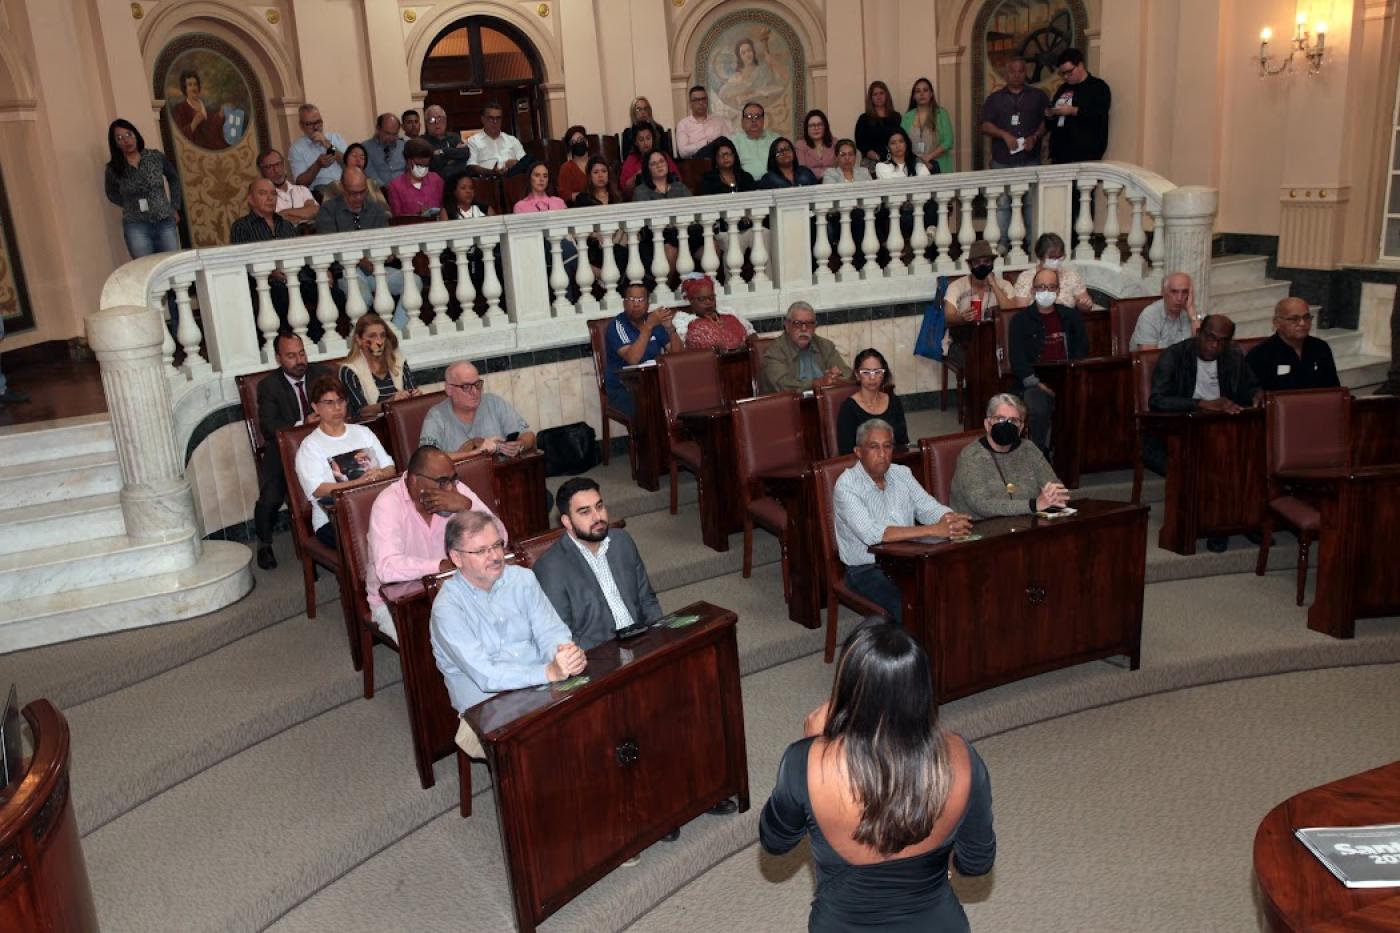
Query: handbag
column 569, row 449
column 930, row 341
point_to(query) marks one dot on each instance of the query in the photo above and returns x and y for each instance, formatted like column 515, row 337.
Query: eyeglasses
column 124, row 137
column 698, row 98
column 870, row 372
column 441, row 482
column 1004, row 419
column 317, row 124
column 437, row 119
column 1297, row 319
column 635, row 300
column 753, row 116
column 802, row 325
column 499, row 546
column 1065, row 72
column 467, row 386
column 783, row 149
column 333, row 402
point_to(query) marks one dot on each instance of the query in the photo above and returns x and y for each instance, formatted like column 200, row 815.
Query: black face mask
column 578, row 147
column 1006, row 434
column 981, row 272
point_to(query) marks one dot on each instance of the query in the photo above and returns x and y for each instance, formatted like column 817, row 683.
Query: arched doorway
column 480, row 59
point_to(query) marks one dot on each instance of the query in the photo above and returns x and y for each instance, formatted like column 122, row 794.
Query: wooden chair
column 597, row 328
column 939, row 461
column 692, row 170
column 1306, row 429
column 768, row 434
column 513, row 188
column 826, row 473
column 612, row 151
column 248, row 401
column 404, row 420
column 352, row 514
column 1144, row 364
column 1123, row 316
column 829, row 402
column 758, row 345
column 309, row 549
column 488, row 194
column 690, row 381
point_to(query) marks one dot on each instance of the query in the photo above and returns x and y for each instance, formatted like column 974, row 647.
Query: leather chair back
column 689, row 382
column 1308, row 428
column 488, row 194
column 768, row 434
column 758, row 345
column 527, row 551
column 513, row 188
column 940, row 460
column 1144, row 365
column 827, row 472
column 248, row 401
column 1248, row 343
column 1123, row 314
column 611, row 151
column 478, row 472
column 1003, row 325
column 829, row 402
column 597, row 330
column 404, row 420
column 298, row 506
column 352, row 512
column 692, row 170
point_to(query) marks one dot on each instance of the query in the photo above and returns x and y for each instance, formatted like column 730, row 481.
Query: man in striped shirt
column 877, row 502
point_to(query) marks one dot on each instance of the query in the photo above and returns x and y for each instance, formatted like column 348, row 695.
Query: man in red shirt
column 1045, row 332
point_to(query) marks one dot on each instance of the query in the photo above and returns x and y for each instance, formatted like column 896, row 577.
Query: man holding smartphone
column 1078, row 114
column 318, row 157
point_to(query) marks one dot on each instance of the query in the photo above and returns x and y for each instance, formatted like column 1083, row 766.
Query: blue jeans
column 144, row 237
column 870, row 581
column 1004, row 213
column 395, row 280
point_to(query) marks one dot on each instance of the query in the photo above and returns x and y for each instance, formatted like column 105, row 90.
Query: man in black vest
column 282, row 403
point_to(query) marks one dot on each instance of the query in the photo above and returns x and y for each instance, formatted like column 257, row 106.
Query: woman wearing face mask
column 1000, row 475
column 573, row 174
column 374, row 372
column 874, row 399
column 417, row 192
column 1050, row 251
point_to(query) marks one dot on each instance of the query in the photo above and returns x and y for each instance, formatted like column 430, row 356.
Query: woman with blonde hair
column 873, row 127
column 374, row 372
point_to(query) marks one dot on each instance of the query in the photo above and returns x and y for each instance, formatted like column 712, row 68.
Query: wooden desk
column 1296, row 892
column 522, row 494
column 43, row 879
column 1093, row 422
column 1098, row 328
column 795, row 486
column 1356, row 576
column 721, row 509
column 981, row 376
column 649, row 421
column 1216, row 474
column 659, row 732
column 1375, row 430
column 431, row 719
column 1031, row 596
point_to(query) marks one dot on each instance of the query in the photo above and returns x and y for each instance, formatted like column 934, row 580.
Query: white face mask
column 420, row 171
column 1052, row 263
column 1045, row 298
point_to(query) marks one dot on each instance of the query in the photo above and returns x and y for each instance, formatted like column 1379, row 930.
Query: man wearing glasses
column 492, row 626
column 1292, row 358
column 1079, row 115
column 493, row 151
column 697, row 131
column 408, row 523
column 294, row 202
column 471, row 419
column 800, row 359
column 317, row 157
column 636, row 336
column 1000, row 475
column 755, row 141
column 384, row 159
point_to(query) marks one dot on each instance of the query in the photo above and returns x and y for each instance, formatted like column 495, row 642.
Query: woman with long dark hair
column 929, row 128
column 784, row 171
column 874, row 398
column 136, row 181
column 888, row 797
column 814, row 149
column 899, row 160
column 727, row 176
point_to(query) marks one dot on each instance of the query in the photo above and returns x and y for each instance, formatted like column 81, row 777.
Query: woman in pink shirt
column 815, row 149
column 417, row 192
column 538, row 198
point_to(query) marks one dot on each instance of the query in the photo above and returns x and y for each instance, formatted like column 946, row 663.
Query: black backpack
column 569, row 449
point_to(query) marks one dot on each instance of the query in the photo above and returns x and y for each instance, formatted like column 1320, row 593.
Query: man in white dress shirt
column 494, row 151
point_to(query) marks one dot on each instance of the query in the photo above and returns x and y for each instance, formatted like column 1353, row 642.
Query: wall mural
column 213, row 125
column 1036, row 30
column 754, row 55
column 14, row 298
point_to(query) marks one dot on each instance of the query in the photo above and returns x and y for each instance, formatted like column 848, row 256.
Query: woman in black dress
column 874, row 399
column 887, row 796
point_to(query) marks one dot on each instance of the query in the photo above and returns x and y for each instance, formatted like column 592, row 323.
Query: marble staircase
column 1240, row 287
column 68, row 567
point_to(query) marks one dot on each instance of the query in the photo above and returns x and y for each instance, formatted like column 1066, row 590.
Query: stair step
column 52, row 480
column 52, row 440
column 1362, row 371
column 220, row 577
column 65, row 520
column 1242, row 301
column 59, row 568
column 1229, row 271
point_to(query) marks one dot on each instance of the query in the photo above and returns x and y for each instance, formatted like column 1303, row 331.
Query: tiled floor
column 56, row 389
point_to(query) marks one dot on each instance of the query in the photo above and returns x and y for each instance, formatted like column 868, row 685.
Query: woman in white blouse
column 900, row 161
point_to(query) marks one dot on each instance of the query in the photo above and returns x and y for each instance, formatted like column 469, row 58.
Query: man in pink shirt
column 407, row 524
column 696, row 132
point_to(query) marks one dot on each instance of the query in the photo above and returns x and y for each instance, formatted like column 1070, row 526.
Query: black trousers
column 1040, row 410
column 272, row 492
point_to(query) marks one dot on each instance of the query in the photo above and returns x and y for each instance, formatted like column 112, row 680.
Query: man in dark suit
column 1045, row 332
column 282, row 403
column 593, row 575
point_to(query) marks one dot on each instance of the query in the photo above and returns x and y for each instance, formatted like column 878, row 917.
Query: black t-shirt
column 1084, row 136
column 1278, row 368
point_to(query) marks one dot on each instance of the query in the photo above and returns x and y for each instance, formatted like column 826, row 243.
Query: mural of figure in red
column 201, row 122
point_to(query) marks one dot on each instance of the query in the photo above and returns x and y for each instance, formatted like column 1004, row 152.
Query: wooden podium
column 1093, row 421
column 586, row 779
column 981, row 370
column 43, row 880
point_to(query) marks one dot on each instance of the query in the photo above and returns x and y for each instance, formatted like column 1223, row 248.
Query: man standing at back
column 697, row 131
column 1078, row 116
column 282, row 403
column 1014, row 117
column 594, row 575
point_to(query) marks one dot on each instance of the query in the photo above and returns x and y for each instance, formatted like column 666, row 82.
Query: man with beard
column 282, row 403
column 594, row 575
column 407, row 524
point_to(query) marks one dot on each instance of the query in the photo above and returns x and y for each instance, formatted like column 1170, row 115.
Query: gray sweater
column 980, row 491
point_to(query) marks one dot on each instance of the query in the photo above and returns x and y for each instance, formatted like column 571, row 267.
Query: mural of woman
column 758, row 76
column 201, row 123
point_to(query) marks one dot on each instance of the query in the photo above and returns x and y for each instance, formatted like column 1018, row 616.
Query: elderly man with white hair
column 1169, row 320
column 472, row 419
column 1000, row 474
column 800, row 360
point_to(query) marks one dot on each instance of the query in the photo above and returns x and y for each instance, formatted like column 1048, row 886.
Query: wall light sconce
column 1314, row 52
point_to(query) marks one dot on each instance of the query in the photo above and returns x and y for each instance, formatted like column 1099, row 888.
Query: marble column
column 1188, row 213
column 155, row 497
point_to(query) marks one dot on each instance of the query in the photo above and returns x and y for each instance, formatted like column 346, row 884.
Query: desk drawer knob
column 1035, row 594
column 626, row 753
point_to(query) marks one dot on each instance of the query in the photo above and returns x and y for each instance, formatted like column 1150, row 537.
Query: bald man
column 262, row 221
column 352, row 210
column 1292, row 358
column 472, row 419
column 1170, row 320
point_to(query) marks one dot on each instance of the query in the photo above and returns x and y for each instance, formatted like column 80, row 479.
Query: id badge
column 1015, row 119
column 143, row 205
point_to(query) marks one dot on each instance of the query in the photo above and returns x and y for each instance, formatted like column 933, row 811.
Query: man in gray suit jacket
column 594, row 575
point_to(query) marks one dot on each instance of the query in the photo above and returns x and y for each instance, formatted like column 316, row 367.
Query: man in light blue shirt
column 879, row 502
column 492, row 627
column 318, row 157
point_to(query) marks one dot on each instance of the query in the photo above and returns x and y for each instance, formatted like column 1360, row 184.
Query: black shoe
column 724, row 807
column 1217, row 545
column 672, row 836
column 266, row 559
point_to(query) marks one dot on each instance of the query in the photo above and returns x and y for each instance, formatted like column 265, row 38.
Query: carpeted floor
column 227, row 775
